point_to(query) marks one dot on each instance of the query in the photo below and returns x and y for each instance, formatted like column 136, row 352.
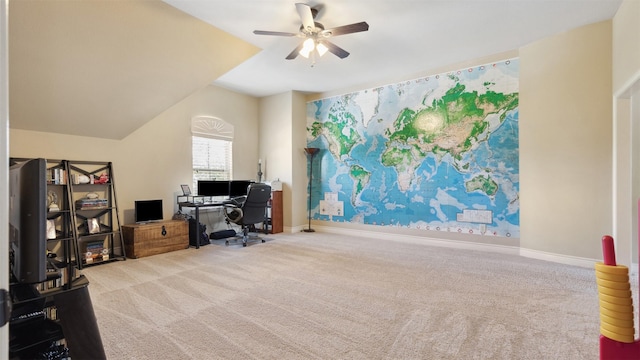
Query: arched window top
column 211, row 127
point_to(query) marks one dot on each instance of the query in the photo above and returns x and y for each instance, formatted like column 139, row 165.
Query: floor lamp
column 311, row 152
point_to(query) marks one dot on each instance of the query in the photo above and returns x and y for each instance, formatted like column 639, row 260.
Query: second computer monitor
column 238, row 187
column 213, row 187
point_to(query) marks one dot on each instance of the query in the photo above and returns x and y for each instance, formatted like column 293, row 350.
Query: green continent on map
column 450, row 125
column 360, row 178
column 482, row 183
column 339, row 132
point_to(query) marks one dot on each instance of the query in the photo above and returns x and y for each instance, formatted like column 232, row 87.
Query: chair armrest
column 238, row 201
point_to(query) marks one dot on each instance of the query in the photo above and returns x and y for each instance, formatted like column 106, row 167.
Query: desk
column 198, row 202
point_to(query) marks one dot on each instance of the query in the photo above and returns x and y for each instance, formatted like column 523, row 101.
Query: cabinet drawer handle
column 164, row 231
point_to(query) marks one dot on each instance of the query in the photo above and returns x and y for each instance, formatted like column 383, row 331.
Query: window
column 211, row 149
column 211, row 159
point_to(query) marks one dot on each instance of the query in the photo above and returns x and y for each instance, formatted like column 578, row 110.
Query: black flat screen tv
column 238, row 187
column 213, row 187
column 148, row 211
column 28, row 221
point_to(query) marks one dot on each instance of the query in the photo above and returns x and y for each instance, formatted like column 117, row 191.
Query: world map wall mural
column 435, row 153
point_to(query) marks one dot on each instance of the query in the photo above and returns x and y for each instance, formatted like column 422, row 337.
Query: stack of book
column 95, row 252
column 86, row 203
column 56, row 176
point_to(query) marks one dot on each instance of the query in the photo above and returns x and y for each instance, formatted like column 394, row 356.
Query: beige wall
column 275, row 144
column 626, row 136
column 566, row 142
column 282, row 142
column 299, row 196
column 153, row 161
column 626, row 45
column 634, row 116
column 624, row 209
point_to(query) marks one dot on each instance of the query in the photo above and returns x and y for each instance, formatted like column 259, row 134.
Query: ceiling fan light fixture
column 307, row 47
column 316, row 37
column 322, row 49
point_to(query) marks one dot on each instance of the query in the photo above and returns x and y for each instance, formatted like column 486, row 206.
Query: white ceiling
column 405, row 37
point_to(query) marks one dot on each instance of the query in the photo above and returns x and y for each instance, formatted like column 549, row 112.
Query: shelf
column 102, row 210
column 102, row 233
column 56, row 214
column 91, row 185
column 29, row 336
column 66, row 238
column 111, row 259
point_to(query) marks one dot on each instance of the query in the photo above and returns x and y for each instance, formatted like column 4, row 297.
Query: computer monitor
column 238, row 187
column 148, row 211
column 213, row 187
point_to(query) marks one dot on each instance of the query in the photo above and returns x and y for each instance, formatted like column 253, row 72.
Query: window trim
column 212, row 127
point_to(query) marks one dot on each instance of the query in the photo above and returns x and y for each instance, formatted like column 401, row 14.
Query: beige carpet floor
column 321, row 296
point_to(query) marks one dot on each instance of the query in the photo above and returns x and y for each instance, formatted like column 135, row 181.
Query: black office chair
column 251, row 211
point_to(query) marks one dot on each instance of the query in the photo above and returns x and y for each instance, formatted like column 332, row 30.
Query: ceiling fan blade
column 347, row 29
column 276, row 33
column 335, row 49
column 294, row 53
column 306, row 16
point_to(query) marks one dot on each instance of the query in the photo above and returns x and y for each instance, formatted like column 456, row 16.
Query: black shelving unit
column 61, row 243
column 95, row 218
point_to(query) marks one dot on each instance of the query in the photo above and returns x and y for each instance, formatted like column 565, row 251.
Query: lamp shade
column 321, row 48
column 311, row 151
column 307, row 47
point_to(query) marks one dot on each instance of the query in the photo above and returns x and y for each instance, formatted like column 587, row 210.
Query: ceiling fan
column 315, row 35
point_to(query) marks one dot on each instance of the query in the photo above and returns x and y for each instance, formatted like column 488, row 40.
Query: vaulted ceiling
column 103, row 68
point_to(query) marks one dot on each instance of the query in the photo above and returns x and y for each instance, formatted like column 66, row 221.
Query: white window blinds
column 211, row 159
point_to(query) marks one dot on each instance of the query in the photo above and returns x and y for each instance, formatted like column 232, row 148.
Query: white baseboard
column 294, row 229
column 558, row 258
column 503, row 249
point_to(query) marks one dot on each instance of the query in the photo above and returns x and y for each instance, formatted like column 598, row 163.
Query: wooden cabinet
column 153, row 238
column 277, row 221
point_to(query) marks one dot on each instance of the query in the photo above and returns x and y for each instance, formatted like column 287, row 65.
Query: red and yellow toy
column 616, row 307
